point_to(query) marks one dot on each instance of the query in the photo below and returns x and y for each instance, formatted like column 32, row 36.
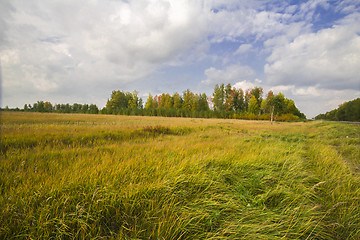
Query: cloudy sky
column 67, row 51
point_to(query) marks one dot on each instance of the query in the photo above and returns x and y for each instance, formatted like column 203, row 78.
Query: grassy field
column 67, row 176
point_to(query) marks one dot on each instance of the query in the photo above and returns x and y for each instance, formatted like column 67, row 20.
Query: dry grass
column 68, row 176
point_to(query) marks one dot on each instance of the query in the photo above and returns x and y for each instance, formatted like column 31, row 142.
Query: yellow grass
column 71, row 176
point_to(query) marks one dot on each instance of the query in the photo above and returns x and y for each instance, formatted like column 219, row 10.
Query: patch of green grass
column 68, row 176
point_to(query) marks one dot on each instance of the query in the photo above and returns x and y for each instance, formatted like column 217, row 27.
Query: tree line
column 225, row 102
column 348, row 111
column 41, row 106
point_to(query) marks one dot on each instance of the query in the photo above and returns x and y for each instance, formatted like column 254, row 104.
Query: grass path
column 68, row 176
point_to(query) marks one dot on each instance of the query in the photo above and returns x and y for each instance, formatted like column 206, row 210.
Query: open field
column 68, row 176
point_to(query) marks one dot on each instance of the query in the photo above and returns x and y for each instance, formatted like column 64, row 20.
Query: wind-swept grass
column 120, row 177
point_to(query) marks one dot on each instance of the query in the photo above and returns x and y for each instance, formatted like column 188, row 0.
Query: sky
column 79, row 51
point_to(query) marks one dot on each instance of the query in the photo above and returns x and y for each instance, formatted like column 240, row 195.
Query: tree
column 265, row 105
column 120, row 101
column 188, row 100
column 247, row 99
column 291, row 108
column 39, row 106
column 93, row 109
column 253, row 105
column 202, row 102
column 219, row 97
column 238, row 100
column 178, row 101
column 194, row 102
column 257, row 92
column 76, row 107
column 348, row 111
column 277, row 103
column 149, row 102
column 134, row 101
column 167, row 101
column 228, row 105
column 67, row 108
column 85, row 108
column 48, row 107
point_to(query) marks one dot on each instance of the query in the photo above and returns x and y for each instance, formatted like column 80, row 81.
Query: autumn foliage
column 225, row 102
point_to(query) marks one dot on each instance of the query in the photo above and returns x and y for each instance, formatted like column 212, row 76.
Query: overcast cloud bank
column 79, row 51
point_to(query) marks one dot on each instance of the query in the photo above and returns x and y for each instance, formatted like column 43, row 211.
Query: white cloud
column 312, row 91
column 313, row 100
column 347, row 6
column 231, row 74
column 123, row 40
column 329, row 58
column 83, row 50
column 10, row 57
column 245, row 85
column 243, row 49
column 307, row 91
column 51, row 46
column 282, row 88
column 245, row 22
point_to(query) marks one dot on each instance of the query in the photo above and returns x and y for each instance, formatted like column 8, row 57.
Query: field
column 73, row 176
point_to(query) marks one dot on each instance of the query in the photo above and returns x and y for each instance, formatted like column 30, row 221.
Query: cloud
column 347, row 6
column 82, row 50
column 231, row 74
column 55, row 46
column 313, row 100
column 282, row 88
column 122, row 41
column 243, row 49
column 312, row 91
column 245, row 22
column 245, row 85
column 153, row 31
column 329, row 58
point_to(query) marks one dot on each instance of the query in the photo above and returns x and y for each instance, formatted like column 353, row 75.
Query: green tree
column 76, row 107
column 253, row 105
column 291, row 108
column 188, row 100
column 228, row 105
column 257, row 92
column 85, row 108
column 219, row 97
column 167, row 101
column 93, row 109
column 277, row 103
column 202, row 102
column 149, row 102
column 120, row 100
column 48, row 107
column 247, row 98
column 178, row 101
column 238, row 100
column 265, row 105
column 134, row 100
column 39, row 106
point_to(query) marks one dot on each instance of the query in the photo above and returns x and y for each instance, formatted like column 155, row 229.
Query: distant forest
column 348, row 111
column 225, row 102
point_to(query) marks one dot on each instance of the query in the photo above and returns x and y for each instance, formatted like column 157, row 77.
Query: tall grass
column 120, row 177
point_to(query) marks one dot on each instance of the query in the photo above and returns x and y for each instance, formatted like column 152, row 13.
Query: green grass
column 68, row 176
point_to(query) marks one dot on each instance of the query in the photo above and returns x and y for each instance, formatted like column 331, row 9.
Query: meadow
column 77, row 176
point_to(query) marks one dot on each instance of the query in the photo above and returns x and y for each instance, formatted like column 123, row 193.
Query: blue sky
column 67, row 51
